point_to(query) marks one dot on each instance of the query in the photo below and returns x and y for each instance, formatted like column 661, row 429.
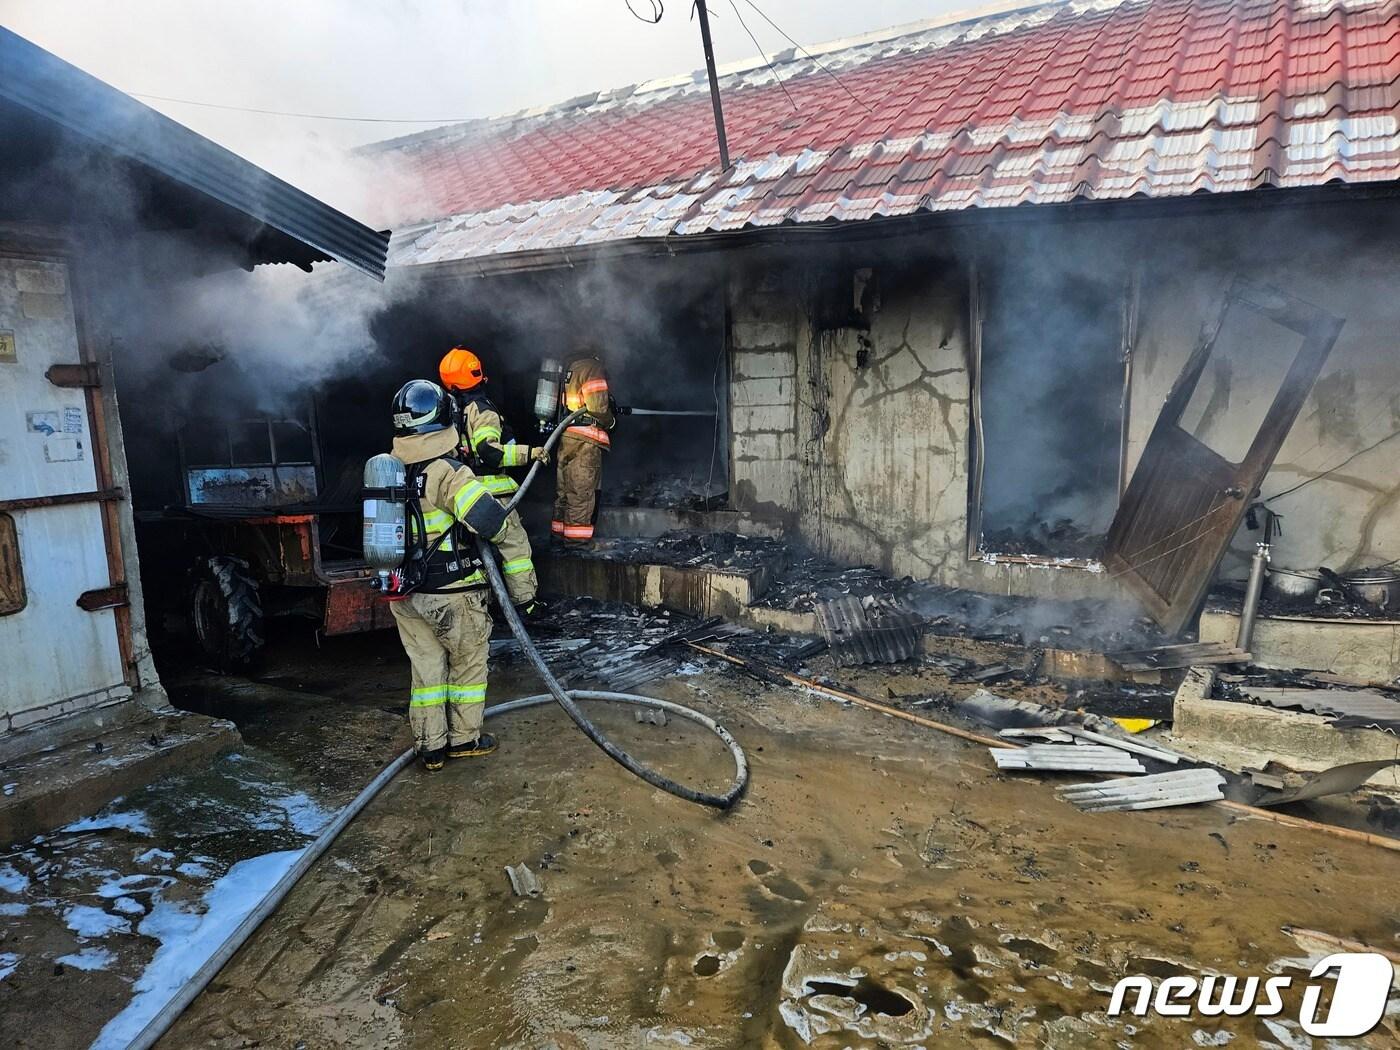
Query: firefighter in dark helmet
column 443, row 620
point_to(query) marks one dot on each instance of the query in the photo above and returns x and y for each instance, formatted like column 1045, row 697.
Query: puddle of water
column 135, row 895
column 870, row 995
column 707, row 966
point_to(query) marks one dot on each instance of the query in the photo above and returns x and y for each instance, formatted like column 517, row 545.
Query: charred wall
column 854, row 368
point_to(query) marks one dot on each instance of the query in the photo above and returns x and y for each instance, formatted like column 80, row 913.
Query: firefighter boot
column 482, row 745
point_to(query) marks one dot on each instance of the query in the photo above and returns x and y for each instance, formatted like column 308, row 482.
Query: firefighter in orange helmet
column 489, row 448
column 580, row 470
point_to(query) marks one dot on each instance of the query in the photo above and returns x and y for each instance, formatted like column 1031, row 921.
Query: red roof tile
column 1045, row 104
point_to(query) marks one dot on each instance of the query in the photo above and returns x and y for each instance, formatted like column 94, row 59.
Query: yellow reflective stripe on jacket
column 428, row 696
column 481, row 434
column 437, row 521
column 467, row 497
column 514, row 455
column 499, row 484
column 467, row 694
column 517, row 566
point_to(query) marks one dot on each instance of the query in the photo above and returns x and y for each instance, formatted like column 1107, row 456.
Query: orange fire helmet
column 461, row 369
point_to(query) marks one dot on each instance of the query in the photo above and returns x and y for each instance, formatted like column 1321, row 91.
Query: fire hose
column 565, row 698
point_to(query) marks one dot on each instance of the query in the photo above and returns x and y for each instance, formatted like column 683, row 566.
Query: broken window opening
column 13, row 597
column 1052, row 351
column 262, row 461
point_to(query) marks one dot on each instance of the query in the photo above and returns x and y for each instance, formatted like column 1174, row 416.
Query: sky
column 443, row 60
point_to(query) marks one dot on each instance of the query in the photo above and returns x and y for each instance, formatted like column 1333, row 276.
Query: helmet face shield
column 422, row 407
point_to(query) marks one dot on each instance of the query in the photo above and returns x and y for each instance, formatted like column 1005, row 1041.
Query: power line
column 301, row 116
column 763, row 55
column 657, row 10
column 809, row 54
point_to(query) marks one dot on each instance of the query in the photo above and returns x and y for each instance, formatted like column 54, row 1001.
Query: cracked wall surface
column 857, row 438
column 884, row 440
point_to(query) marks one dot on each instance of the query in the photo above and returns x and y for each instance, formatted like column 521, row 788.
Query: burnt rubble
column 799, row 581
column 692, row 549
column 671, row 492
column 1044, row 539
column 590, row 642
column 1228, row 597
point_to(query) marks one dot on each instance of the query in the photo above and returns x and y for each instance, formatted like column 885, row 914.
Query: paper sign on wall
column 8, row 354
column 42, row 422
column 62, row 449
column 72, row 420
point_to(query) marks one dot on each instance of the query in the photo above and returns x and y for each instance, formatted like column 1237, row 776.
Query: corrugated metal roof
column 47, row 86
column 1046, row 104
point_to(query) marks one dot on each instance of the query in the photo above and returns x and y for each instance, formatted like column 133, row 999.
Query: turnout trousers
column 576, row 488
column 447, row 639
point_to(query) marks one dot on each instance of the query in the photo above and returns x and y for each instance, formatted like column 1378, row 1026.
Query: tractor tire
column 225, row 613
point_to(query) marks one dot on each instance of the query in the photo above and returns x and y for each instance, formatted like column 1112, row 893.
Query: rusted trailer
column 263, row 534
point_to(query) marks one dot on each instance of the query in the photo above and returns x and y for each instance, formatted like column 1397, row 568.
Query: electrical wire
column 809, row 54
column 763, row 55
column 657, row 10
column 1334, row 469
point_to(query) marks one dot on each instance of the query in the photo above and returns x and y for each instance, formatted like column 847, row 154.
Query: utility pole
column 714, row 83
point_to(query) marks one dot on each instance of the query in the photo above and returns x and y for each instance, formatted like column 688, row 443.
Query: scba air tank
column 547, row 391
column 385, row 508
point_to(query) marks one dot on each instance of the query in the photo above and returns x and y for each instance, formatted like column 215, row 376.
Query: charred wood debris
column 865, row 616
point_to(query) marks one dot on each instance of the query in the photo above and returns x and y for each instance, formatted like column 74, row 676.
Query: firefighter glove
column 539, row 455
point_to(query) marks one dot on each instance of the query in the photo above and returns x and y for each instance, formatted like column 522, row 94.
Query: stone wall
column 766, row 322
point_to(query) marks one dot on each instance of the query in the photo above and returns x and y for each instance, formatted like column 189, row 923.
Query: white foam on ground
column 14, row 909
column 88, row 959
column 133, row 821
column 87, row 921
column 12, row 881
column 189, row 938
column 154, row 854
column 128, row 906
column 8, row 962
column 140, row 882
column 301, row 812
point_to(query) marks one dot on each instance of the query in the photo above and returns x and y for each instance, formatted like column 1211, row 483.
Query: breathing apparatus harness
column 427, row 568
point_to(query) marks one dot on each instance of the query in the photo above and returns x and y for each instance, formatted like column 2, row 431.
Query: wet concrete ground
column 880, row 886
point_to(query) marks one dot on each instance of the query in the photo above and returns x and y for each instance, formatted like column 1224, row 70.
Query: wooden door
column 1208, row 454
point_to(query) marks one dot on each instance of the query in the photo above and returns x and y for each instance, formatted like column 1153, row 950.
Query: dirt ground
column 880, row 885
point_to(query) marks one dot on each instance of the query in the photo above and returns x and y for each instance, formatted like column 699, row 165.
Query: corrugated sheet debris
column 869, row 630
column 1345, row 708
column 1080, row 758
column 1180, row 787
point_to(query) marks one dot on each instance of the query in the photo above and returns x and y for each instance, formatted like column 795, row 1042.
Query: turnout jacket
column 586, row 387
column 450, row 494
column 489, row 446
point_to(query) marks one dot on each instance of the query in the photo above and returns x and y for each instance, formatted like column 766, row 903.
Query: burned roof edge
column 55, row 90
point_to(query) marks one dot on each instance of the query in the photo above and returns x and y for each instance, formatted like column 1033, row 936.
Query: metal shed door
column 1215, row 440
column 56, row 656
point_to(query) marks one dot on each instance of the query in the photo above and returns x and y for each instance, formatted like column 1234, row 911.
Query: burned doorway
column 1051, row 356
column 660, row 328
